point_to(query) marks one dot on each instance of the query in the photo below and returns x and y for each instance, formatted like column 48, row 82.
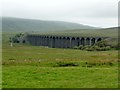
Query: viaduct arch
column 61, row 41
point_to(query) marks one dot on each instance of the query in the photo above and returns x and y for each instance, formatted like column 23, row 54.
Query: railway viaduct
column 61, row 41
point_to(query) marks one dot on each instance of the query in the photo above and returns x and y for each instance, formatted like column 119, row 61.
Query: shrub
column 80, row 47
column 90, row 49
column 116, row 46
column 102, row 43
column 99, row 46
column 108, row 48
column 76, row 47
column 95, row 47
column 87, row 46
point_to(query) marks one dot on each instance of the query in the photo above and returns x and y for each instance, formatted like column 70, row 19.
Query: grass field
column 60, row 77
column 29, row 66
column 26, row 66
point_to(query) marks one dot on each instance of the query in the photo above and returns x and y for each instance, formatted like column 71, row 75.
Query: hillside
column 106, row 32
column 19, row 24
column 16, row 25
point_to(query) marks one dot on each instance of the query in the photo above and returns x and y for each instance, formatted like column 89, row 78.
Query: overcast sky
column 100, row 13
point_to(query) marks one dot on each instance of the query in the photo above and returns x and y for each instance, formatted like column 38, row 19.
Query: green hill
column 19, row 24
column 105, row 32
column 54, row 27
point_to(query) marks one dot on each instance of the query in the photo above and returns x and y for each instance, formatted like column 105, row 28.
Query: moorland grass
column 31, row 67
column 26, row 66
column 59, row 77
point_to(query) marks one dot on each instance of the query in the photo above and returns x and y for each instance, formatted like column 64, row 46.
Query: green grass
column 26, row 66
column 27, row 54
column 60, row 77
column 29, row 66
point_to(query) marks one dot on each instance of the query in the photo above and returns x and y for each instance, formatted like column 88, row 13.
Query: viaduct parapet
column 61, row 41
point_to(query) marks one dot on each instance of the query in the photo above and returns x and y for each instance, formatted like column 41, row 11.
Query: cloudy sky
column 100, row 13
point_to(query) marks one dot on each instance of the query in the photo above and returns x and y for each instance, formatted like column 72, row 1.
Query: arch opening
column 23, row 41
column 82, row 41
column 68, row 42
column 53, row 42
column 60, row 42
column 99, row 39
column 92, row 41
column 73, row 42
column 87, row 41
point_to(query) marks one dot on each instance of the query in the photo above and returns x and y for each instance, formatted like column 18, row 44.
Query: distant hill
column 19, row 24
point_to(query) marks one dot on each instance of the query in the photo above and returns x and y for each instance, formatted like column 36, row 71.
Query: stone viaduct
column 61, row 41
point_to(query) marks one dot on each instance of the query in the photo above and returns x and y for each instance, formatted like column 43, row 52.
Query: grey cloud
column 64, row 10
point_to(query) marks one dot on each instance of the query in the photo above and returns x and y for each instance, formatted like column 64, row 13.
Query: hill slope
column 18, row 24
column 106, row 32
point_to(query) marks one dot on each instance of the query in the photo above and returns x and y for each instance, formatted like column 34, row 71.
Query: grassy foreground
column 60, row 77
column 39, row 67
